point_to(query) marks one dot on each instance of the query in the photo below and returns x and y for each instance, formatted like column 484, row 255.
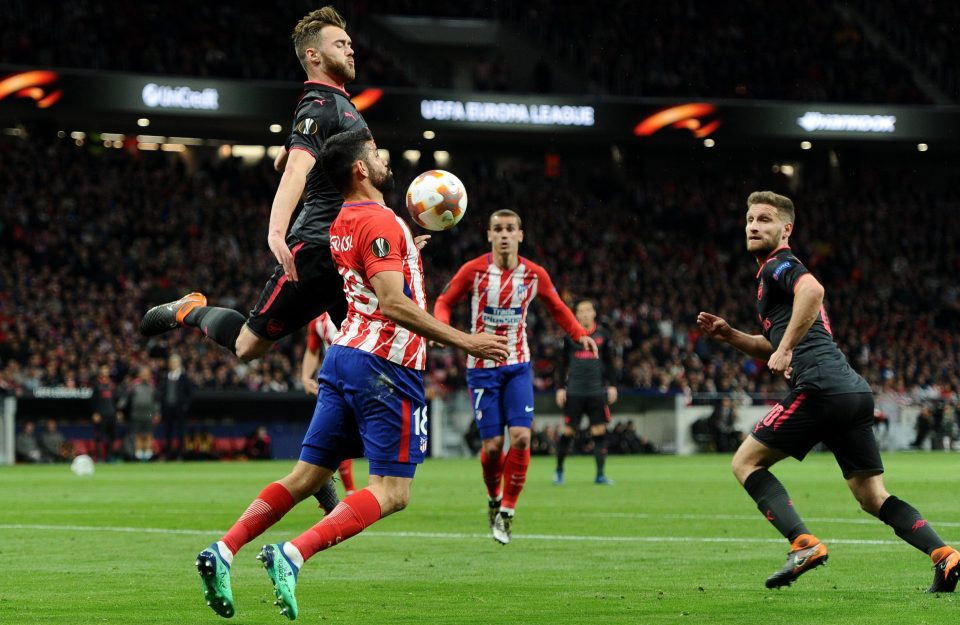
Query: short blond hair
column 306, row 33
column 782, row 203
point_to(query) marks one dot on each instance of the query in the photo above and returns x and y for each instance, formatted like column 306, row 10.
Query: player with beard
column 371, row 397
column 305, row 282
column 828, row 402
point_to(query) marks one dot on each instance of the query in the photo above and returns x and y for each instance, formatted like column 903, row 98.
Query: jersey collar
column 326, row 86
column 771, row 256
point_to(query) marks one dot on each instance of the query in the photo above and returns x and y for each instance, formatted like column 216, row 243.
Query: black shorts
column 594, row 406
column 844, row 423
column 284, row 306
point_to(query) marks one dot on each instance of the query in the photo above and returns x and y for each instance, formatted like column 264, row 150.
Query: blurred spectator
column 26, row 447
column 174, row 392
column 199, row 445
column 258, row 445
column 140, row 406
column 53, row 446
column 722, row 427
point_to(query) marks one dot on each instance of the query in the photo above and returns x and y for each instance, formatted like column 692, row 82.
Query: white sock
column 293, row 553
column 225, row 552
column 509, row 511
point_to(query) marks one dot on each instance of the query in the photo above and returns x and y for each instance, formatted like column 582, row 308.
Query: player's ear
column 362, row 169
column 787, row 230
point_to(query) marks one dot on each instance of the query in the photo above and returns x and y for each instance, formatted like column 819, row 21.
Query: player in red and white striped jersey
column 371, row 399
column 501, row 286
column 320, row 333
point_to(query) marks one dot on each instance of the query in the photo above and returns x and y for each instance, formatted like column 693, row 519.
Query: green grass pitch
column 676, row 540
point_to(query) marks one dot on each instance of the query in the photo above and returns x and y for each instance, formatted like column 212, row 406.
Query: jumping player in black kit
column 828, row 402
column 305, row 282
column 584, row 387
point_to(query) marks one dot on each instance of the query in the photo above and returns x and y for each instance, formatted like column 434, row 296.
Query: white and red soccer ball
column 436, row 200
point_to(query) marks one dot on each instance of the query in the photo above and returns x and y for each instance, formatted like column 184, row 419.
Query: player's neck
column 363, row 193
column 506, row 261
column 325, row 78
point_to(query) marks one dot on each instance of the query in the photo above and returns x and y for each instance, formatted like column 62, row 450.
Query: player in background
column 501, row 285
column 305, row 282
column 320, row 333
column 585, row 387
column 828, row 402
column 371, row 397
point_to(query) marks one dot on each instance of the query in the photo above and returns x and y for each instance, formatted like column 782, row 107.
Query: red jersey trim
column 310, row 152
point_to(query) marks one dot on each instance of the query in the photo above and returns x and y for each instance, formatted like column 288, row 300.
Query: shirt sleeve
column 455, row 291
column 606, row 359
column 381, row 245
column 786, row 273
column 312, row 124
column 555, row 306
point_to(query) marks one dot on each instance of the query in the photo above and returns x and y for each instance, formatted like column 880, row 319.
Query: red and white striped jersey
column 365, row 239
column 320, row 333
column 499, row 299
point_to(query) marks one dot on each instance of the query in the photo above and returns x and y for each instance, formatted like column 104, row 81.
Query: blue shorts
column 367, row 406
column 502, row 397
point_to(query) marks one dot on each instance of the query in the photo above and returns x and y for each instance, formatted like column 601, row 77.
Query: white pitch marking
column 451, row 535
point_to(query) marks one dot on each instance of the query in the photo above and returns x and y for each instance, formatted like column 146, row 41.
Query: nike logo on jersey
column 528, row 408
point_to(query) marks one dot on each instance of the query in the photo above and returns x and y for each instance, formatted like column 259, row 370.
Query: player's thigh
column 850, row 435
column 793, row 426
column 597, row 410
column 517, row 396
column 333, row 434
column 391, row 411
column 285, row 306
column 485, row 393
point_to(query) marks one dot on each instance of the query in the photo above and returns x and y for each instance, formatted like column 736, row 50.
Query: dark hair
column 340, row 152
column 782, row 203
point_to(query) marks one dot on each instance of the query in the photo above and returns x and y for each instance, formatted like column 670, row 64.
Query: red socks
column 514, row 476
column 346, row 474
column 268, row 508
column 355, row 513
column 492, row 472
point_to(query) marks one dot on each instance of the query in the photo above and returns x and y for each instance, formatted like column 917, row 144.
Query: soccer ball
column 82, row 465
column 436, row 200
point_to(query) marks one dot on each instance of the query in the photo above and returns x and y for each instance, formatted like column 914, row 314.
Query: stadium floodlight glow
column 441, row 158
column 709, row 142
column 151, row 139
column 61, row 134
column 112, row 136
column 143, row 145
column 412, row 156
column 275, row 128
column 922, row 147
column 787, row 170
column 429, row 134
column 143, row 122
column 78, row 135
column 173, row 147
column 805, row 145
column 185, row 140
column 384, row 154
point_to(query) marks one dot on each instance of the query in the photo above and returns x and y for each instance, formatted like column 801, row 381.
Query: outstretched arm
column 717, row 328
column 388, row 285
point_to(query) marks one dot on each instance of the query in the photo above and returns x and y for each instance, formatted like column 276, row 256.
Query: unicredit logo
column 166, row 97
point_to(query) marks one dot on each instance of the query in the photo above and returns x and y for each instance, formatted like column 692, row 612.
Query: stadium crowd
column 807, row 50
column 94, row 237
